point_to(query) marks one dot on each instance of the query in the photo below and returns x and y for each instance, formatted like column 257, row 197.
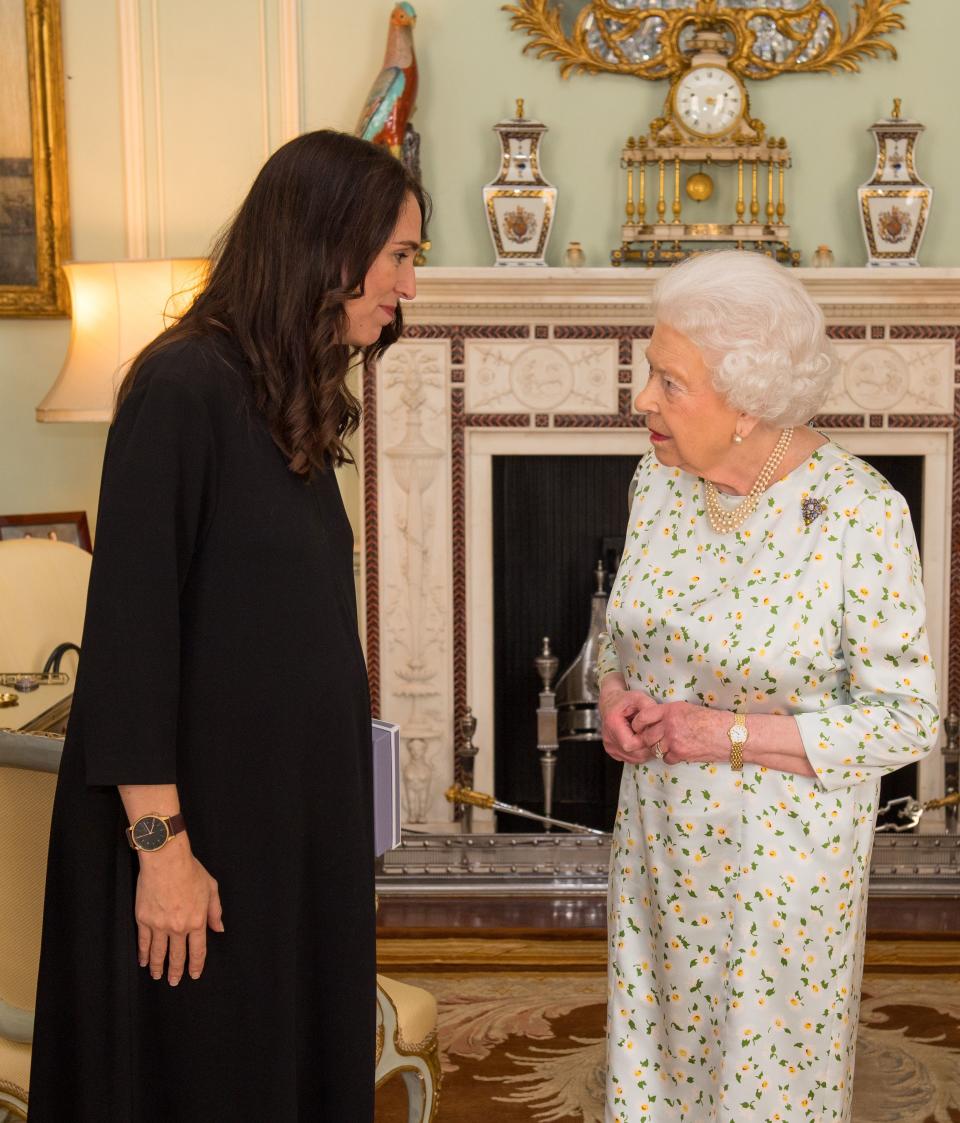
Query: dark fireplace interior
column 553, row 517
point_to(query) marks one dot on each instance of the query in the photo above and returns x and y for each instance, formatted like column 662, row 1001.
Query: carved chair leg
column 417, row 1099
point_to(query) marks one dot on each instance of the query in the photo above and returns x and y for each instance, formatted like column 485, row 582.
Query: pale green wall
column 471, row 69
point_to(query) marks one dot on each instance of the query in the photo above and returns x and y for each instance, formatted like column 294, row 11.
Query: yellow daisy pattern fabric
column 737, row 901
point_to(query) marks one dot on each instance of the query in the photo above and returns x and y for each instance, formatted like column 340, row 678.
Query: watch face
column 738, row 734
column 709, row 100
column 150, row 832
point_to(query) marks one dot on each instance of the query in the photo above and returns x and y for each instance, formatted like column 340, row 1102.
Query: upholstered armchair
column 407, row 1044
column 43, row 591
column 28, row 768
column 43, row 597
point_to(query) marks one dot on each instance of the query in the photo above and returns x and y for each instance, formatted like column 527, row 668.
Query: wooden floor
column 569, row 933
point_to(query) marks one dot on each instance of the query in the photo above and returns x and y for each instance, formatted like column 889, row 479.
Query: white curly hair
column 762, row 337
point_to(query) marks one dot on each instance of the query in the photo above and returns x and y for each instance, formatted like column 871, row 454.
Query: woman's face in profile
column 691, row 425
column 388, row 280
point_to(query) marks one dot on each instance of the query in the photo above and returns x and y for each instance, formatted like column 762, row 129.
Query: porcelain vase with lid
column 520, row 204
column 895, row 202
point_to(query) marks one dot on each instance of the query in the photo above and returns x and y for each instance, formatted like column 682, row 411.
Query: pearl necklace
column 722, row 520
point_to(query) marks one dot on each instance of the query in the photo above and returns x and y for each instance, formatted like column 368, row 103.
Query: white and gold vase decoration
column 895, row 202
column 520, row 204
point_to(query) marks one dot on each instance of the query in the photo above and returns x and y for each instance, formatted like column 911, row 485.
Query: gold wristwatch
column 738, row 735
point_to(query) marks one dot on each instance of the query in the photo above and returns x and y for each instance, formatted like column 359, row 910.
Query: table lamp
column 118, row 308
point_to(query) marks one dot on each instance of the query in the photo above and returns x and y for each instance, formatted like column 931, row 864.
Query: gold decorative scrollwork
column 808, row 38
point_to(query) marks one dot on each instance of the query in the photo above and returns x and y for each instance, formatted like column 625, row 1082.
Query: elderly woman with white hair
column 766, row 663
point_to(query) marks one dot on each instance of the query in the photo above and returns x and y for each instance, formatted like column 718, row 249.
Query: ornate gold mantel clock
column 706, row 123
column 705, row 144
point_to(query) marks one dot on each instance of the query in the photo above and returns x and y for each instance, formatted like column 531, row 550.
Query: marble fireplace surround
column 548, row 362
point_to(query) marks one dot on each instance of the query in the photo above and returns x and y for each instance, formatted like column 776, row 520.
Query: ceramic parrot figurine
column 392, row 96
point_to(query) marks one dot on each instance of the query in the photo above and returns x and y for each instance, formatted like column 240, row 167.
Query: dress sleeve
column 608, row 662
column 890, row 716
column 155, row 497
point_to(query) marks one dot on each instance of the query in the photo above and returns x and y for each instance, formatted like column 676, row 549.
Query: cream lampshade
column 118, row 307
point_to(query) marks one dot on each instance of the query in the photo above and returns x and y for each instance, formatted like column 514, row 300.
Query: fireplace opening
column 553, row 518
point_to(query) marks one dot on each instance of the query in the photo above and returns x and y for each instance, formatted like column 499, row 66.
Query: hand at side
column 176, row 897
column 176, row 900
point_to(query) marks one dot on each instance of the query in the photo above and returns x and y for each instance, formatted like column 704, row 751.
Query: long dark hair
column 318, row 214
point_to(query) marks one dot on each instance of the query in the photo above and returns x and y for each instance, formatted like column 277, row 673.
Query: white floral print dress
column 737, row 902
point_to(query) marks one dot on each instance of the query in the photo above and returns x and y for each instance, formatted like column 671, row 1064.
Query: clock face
column 708, row 100
column 150, row 832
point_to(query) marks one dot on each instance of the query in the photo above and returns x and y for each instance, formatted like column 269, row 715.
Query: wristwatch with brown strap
column 152, row 831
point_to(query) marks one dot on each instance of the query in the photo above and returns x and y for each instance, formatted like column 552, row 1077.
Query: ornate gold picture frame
column 34, row 212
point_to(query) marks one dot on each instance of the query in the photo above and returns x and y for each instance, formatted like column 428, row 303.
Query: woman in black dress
column 223, row 681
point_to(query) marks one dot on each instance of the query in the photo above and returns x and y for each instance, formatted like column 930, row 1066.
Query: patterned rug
column 528, row 1048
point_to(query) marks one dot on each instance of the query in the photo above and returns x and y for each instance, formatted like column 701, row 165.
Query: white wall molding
column 264, row 79
column 158, row 133
column 167, row 94
column 291, row 98
column 131, row 123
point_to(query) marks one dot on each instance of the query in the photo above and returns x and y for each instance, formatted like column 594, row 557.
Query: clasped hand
column 634, row 724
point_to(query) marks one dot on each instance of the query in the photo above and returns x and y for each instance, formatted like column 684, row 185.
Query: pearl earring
column 737, row 439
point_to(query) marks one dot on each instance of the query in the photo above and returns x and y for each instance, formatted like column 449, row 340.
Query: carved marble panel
column 541, row 376
column 415, row 597
column 893, row 377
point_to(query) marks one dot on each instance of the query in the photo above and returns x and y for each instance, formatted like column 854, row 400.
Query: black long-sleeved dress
column 220, row 652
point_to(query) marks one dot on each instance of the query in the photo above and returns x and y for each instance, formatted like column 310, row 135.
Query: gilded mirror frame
column 47, row 294
column 812, row 33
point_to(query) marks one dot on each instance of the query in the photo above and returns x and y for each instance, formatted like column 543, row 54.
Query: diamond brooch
column 812, row 509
